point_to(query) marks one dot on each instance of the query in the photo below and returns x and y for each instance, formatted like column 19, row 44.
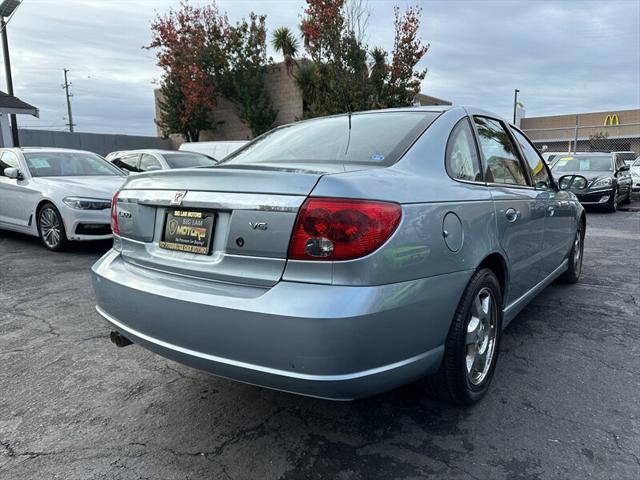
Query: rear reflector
column 342, row 229
column 114, row 214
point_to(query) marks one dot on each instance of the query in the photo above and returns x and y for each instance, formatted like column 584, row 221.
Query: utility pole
column 515, row 104
column 7, row 69
column 66, row 86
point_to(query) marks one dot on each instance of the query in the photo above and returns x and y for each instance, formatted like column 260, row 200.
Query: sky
column 565, row 56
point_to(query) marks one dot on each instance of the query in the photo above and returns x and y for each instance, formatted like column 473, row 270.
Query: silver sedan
column 57, row 194
column 344, row 256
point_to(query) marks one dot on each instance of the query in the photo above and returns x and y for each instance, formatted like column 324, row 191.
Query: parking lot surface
column 564, row 403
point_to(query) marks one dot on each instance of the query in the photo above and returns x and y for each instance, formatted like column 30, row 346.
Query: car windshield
column 637, row 162
column 583, row 164
column 374, row 138
column 69, row 164
column 186, row 160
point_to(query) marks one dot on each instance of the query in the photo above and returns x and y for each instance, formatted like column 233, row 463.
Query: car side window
column 461, row 158
column 539, row 173
column 149, row 162
column 127, row 162
column 501, row 157
column 8, row 160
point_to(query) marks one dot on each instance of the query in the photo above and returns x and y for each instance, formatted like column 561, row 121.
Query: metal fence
column 99, row 143
column 608, row 137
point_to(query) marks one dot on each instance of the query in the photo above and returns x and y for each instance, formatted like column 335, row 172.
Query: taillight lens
column 342, row 229
column 114, row 214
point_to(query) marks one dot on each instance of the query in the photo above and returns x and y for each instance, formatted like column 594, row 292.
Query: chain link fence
column 585, row 135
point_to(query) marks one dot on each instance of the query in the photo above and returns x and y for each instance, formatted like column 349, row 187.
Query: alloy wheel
column 50, row 227
column 577, row 250
column 481, row 336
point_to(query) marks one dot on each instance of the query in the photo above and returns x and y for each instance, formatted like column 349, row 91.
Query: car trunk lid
column 253, row 211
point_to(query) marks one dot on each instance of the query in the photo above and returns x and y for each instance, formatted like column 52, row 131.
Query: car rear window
column 186, row 160
column 367, row 138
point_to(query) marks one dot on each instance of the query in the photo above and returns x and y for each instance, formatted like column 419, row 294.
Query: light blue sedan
column 344, row 256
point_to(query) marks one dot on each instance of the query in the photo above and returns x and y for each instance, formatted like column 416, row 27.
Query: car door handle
column 512, row 215
column 551, row 210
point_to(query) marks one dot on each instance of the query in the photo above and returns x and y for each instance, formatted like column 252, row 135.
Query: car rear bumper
column 327, row 341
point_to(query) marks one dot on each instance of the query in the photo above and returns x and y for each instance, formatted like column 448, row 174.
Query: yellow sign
column 611, row 119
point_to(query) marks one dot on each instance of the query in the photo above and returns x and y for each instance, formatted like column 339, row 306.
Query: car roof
column 145, row 150
column 46, row 149
column 590, row 154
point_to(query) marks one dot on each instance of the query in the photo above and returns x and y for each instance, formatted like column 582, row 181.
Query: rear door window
column 462, row 160
column 500, row 154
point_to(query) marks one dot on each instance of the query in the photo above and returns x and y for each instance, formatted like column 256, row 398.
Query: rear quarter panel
column 417, row 249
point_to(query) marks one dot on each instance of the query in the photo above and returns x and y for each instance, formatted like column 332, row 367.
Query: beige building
column 287, row 101
column 613, row 130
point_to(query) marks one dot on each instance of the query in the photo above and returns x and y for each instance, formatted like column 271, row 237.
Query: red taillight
column 114, row 214
column 342, row 229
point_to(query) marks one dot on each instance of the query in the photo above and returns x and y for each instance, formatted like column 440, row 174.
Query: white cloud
column 564, row 56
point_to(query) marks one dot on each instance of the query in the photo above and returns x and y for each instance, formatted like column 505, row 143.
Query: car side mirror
column 572, row 182
column 13, row 173
column 624, row 168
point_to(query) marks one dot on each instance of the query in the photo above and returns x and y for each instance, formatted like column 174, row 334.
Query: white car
column 217, row 150
column 56, row 194
column 635, row 175
column 138, row 161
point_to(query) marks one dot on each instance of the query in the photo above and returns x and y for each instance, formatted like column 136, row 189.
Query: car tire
column 51, row 228
column 572, row 275
column 627, row 199
column 612, row 205
column 474, row 334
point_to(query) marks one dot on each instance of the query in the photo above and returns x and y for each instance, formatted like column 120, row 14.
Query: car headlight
column 602, row 183
column 82, row 203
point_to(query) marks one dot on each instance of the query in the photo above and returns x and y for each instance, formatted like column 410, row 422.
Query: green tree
column 285, row 42
column 243, row 79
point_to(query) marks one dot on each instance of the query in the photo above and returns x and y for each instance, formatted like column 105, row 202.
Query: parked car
column 635, row 175
column 218, row 150
column 549, row 157
column 112, row 155
column 138, row 161
column 627, row 157
column 343, row 256
column 609, row 179
column 57, row 194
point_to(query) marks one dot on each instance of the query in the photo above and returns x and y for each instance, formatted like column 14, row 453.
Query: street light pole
column 515, row 104
column 7, row 69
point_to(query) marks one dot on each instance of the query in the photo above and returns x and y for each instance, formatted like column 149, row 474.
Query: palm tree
column 285, row 42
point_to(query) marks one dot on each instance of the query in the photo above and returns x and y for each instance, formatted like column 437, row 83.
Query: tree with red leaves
column 344, row 74
column 408, row 50
column 204, row 57
column 188, row 44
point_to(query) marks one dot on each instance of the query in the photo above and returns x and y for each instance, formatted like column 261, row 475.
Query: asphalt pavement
column 564, row 403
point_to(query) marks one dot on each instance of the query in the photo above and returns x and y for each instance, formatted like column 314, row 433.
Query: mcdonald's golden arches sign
column 611, row 119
